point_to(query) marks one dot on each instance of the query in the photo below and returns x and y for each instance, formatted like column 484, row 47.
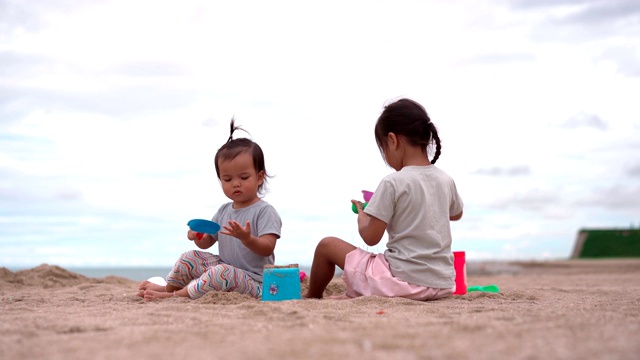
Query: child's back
column 413, row 205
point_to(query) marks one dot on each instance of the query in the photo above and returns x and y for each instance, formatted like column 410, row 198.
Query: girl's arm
column 205, row 242
column 261, row 245
column 455, row 217
column 370, row 228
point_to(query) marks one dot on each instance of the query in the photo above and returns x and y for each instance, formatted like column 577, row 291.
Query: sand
column 574, row 309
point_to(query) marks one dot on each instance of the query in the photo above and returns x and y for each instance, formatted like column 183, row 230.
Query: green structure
column 607, row 243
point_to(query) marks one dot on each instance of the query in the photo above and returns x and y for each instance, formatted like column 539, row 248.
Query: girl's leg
column 330, row 252
column 147, row 285
column 191, row 265
column 150, row 295
column 224, row 278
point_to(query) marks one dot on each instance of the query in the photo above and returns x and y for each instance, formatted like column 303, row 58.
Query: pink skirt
column 367, row 274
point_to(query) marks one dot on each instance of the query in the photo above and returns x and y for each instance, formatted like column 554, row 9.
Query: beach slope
column 573, row 309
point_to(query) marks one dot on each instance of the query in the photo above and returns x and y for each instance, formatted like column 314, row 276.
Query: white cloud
column 112, row 112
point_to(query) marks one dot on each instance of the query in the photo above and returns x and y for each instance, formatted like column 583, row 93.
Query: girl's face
column 240, row 181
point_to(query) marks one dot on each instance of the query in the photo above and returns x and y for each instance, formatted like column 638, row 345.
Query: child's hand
column 238, row 231
column 359, row 205
column 191, row 235
column 203, row 241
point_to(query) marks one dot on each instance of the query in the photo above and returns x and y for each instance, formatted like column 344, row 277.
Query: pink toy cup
column 460, row 266
column 366, row 195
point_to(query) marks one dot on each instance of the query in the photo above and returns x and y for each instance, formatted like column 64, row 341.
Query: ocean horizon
column 135, row 273
column 140, row 273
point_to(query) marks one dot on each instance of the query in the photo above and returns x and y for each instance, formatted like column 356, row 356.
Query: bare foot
column 147, row 285
column 150, row 295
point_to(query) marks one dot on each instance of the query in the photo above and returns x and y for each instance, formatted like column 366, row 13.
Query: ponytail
column 436, row 140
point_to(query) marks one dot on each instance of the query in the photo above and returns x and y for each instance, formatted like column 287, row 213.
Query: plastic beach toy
column 203, row 226
column 281, row 283
column 487, row 288
column 460, row 266
column 366, row 195
column 157, row 280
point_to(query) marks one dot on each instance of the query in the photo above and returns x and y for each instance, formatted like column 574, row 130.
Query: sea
column 132, row 273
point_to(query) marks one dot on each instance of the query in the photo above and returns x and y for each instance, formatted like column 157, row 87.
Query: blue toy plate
column 203, row 226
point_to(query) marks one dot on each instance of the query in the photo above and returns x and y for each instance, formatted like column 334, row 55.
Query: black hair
column 410, row 120
column 234, row 147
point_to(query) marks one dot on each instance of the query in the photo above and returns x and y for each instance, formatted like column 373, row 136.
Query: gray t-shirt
column 416, row 203
column 264, row 219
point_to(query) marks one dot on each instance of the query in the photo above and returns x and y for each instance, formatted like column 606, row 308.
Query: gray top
column 416, row 203
column 264, row 220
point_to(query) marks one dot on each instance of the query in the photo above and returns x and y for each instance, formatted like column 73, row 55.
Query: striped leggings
column 202, row 272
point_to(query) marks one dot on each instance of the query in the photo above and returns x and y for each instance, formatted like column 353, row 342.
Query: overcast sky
column 111, row 113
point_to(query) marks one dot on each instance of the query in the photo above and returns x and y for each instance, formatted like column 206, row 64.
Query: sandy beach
column 573, row 309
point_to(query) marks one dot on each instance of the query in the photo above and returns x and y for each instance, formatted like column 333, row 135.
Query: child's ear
column 260, row 177
column 392, row 140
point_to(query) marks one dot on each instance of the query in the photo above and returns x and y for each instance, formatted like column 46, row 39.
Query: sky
column 111, row 113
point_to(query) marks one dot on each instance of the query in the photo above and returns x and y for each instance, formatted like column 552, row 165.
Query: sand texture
column 575, row 309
